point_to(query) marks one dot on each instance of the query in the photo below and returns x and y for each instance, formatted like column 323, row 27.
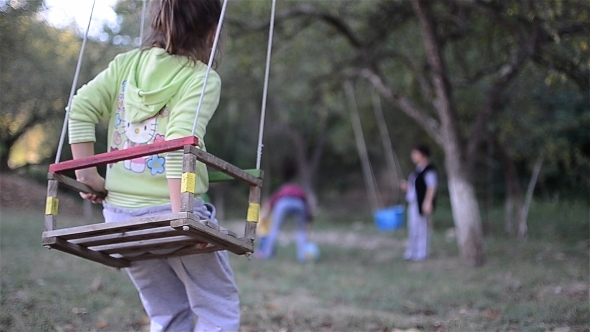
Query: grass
column 358, row 284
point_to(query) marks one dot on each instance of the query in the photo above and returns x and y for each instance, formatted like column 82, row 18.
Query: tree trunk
column 307, row 166
column 465, row 209
column 513, row 190
column 524, row 211
column 508, row 215
column 461, row 188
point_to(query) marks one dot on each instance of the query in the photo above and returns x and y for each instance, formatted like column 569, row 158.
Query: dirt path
column 23, row 194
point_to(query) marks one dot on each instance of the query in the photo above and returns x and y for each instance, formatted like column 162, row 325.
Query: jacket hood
column 148, row 90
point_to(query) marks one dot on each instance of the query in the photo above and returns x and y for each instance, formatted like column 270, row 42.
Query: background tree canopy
column 490, row 84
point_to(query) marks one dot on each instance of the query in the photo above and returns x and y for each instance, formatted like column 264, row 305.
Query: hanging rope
column 362, row 147
column 265, row 91
column 209, row 65
column 390, row 156
column 73, row 89
column 142, row 22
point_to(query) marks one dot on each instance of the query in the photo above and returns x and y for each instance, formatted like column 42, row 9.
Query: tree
column 33, row 68
column 38, row 63
column 466, row 45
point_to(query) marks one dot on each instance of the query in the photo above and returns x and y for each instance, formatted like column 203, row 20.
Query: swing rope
column 265, row 91
column 74, row 84
column 374, row 198
column 142, row 22
column 209, row 65
column 391, row 157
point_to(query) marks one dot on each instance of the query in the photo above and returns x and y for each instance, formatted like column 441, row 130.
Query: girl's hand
column 403, row 185
column 427, row 208
column 91, row 178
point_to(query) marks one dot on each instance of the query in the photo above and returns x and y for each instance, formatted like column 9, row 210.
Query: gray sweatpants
column 173, row 290
column 418, row 234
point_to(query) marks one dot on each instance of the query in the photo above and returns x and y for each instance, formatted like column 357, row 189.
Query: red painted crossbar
column 130, row 153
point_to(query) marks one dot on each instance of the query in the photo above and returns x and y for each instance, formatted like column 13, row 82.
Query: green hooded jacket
column 147, row 96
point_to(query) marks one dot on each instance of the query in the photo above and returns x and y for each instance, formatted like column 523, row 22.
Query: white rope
column 142, row 22
column 209, row 65
column 265, row 91
column 73, row 89
column 390, row 155
column 361, row 146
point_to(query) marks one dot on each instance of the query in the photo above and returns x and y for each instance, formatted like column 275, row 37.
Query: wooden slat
column 51, row 220
column 221, row 177
column 253, row 198
column 148, row 245
column 126, row 154
column 74, row 184
column 122, row 237
column 223, row 166
column 83, row 252
column 193, row 227
column 191, row 250
column 187, row 199
column 110, row 228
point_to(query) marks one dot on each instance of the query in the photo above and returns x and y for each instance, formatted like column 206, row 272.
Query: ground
column 19, row 193
column 360, row 283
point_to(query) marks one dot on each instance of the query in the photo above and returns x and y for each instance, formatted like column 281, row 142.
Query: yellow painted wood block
column 253, row 212
column 187, row 183
column 51, row 206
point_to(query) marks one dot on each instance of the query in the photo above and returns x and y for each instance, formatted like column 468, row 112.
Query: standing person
column 289, row 200
column 421, row 196
column 149, row 95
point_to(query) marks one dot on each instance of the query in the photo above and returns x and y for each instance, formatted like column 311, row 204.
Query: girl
column 149, row 95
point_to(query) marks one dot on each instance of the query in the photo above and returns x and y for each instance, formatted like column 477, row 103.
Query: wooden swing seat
column 118, row 244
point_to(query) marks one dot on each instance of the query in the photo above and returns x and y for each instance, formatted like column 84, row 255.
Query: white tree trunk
column 465, row 211
column 508, row 215
column 524, row 213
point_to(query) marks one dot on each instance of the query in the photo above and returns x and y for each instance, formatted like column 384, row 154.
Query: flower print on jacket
column 139, row 134
column 159, row 138
column 156, row 164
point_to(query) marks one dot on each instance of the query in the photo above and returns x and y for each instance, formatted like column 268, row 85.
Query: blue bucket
column 390, row 219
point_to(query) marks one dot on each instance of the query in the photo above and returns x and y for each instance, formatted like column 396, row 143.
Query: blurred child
column 288, row 200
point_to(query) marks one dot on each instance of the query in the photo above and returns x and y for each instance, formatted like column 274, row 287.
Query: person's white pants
column 173, row 290
column 418, row 234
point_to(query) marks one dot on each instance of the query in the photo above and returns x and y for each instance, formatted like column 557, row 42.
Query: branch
column 311, row 11
column 301, row 10
column 429, row 124
column 443, row 102
column 506, row 74
column 425, row 87
column 475, row 77
column 580, row 76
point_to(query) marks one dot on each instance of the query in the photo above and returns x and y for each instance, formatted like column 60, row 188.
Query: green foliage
column 33, row 76
column 556, row 124
column 544, row 110
column 38, row 63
